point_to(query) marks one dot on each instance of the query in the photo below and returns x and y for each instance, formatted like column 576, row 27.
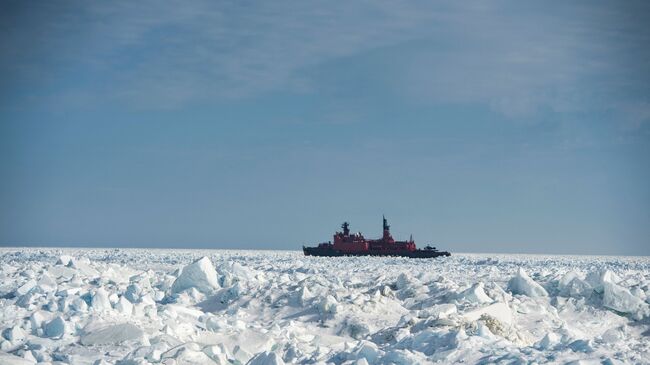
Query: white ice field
column 109, row 306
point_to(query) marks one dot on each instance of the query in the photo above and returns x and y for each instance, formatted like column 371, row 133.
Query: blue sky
column 480, row 127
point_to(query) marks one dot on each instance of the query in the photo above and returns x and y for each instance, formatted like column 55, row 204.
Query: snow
column 522, row 284
column 9, row 359
column 110, row 334
column 64, row 260
column 124, row 306
column 13, row 334
column 266, row 358
column 109, row 307
column 500, row 311
column 26, row 288
column 475, row 294
column 200, row 275
column 37, row 319
column 100, row 301
column 620, row 299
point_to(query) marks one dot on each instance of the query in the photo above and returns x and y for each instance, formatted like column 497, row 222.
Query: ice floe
column 110, row 307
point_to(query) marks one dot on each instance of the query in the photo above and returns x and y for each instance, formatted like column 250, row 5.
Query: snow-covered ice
column 115, row 306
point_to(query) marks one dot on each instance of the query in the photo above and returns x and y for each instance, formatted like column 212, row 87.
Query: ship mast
column 346, row 228
column 386, row 236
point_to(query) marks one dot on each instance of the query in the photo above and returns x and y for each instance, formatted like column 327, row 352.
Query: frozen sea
column 143, row 306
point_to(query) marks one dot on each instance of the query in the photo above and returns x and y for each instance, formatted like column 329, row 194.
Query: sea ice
column 597, row 279
column 440, row 310
column 106, row 334
column 26, row 288
column 621, row 300
column 100, row 301
column 475, row 294
column 576, row 288
column 64, row 260
column 124, row 306
column 266, row 358
column 110, row 307
column 499, row 311
column 9, row 359
column 521, row 283
column 55, row 327
column 14, row 334
column 200, row 275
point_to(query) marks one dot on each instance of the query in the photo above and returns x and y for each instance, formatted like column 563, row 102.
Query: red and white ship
column 346, row 244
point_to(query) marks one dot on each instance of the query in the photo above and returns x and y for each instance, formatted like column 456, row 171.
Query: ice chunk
column 356, row 328
column 61, row 272
column 111, row 334
column 242, row 272
column 405, row 281
column 9, row 359
column 79, row 304
column 14, row 334
column 241, row 355
column 566, row 279
column 133, row 292
column 613, row 335
column 124, row 306
column 217, row 353
column 638, row 292
column 186, row 354
column 27, row 300
column 46, row 284
column 581, row 346
column 598, row 279
column 37, row 319
column 475, row 294
column 521, row 283
column 26, row 288
column 500, row 311
column 367, row 351
column 84, row 267
column 576, row 288
column 266, row 358
column 55, row 327
column 27, row 355
column 430, row 341
column 620, row 299
column 572, row 285
column 100, row 301
column 304, row 295
column 549, row 340
column 327, row 307
column 200, row 275
column 64, row 260
column 439, row 311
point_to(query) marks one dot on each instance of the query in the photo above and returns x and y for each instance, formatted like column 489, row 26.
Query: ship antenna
column 346, row 228
column 386, row 226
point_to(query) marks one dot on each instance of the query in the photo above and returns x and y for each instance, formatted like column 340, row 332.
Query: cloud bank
column 516, row 58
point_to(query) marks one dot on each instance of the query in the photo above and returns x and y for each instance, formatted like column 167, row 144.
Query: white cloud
column 512, row 57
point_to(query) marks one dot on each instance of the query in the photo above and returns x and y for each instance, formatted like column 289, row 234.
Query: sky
column 503, row 126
